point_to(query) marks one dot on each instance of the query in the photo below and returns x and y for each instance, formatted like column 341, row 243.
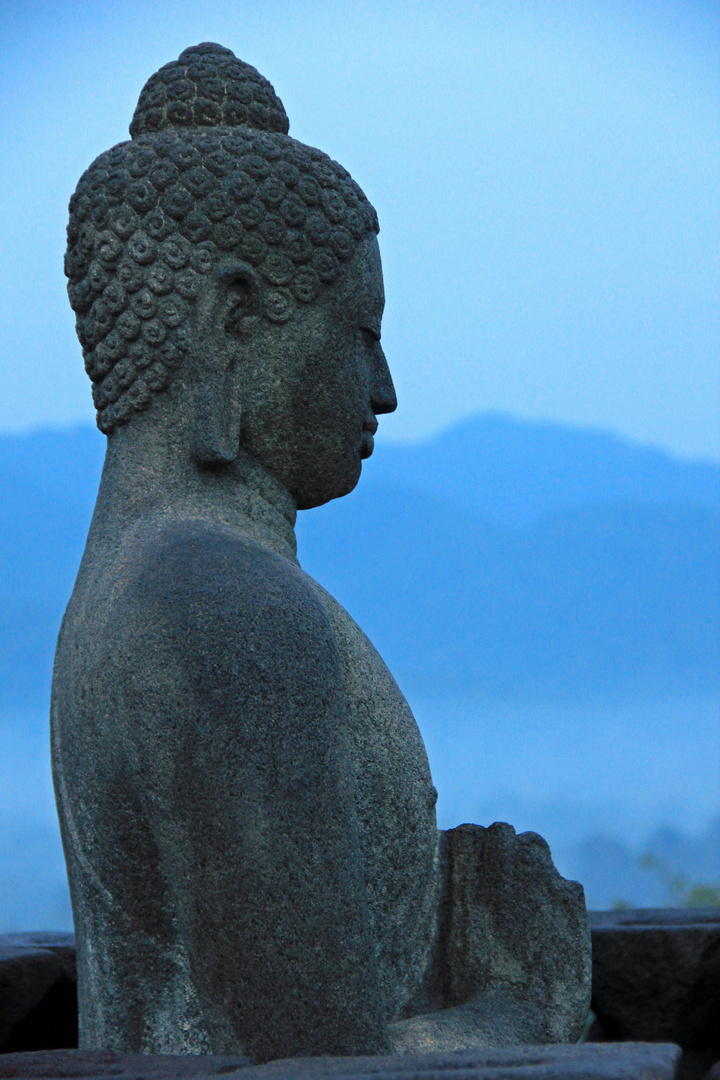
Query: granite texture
column 656, row 975
column 630, row 1061
column 245, row 800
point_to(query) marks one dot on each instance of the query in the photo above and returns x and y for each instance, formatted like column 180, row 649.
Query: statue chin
column 322, row 493
column 246, row 804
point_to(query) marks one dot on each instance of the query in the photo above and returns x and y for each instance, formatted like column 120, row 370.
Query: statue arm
column 242, row 750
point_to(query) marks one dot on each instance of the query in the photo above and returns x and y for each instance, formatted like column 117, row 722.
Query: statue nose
column 383, row 397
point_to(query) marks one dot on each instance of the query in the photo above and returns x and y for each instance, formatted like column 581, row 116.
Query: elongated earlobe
column 218, row 415
column 227, row 317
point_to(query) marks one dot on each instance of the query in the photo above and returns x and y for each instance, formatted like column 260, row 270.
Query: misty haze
column 547, row 599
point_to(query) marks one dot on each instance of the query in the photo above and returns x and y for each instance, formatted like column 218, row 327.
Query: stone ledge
column 656, row 975
column 627, row 1061
column 38, row 991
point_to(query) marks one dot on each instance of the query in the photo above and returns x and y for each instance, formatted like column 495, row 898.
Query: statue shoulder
column 187, row 553
column 203, row 590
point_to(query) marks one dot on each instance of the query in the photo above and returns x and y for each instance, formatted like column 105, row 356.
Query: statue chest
column 395, row 801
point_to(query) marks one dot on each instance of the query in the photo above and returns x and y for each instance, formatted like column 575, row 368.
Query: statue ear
column 227, row 316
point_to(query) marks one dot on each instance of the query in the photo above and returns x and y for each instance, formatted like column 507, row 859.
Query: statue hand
column 517, row 929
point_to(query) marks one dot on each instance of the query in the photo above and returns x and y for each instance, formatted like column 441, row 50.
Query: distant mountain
column 510, row 557
column 672, row 869
column 605, row 601
column 512, row 472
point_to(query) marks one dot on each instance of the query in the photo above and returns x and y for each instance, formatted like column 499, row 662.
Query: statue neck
column 150, row 471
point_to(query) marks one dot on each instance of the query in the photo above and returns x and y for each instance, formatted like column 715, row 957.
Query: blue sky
column 546, row 176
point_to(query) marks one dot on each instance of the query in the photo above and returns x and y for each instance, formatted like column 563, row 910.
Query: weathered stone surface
column 630, row 1061
column 38, row 997
column 34, row 965
column 51, row 1064
column 656, row 975
column 245, row 799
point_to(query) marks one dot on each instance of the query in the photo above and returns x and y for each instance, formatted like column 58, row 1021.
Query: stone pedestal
column 631, row 1061
column 655, row 978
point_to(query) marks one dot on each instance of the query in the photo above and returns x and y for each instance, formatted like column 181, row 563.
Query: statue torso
column 393, row 794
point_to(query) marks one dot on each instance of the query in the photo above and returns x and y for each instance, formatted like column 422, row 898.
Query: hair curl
column 151, row 217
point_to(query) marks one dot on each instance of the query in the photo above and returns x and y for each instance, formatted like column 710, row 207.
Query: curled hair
column 210, row 171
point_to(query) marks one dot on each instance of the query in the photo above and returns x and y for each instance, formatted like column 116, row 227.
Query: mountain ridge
column 527, row 570
column 515, row 471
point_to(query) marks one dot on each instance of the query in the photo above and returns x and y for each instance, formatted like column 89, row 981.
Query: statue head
column 214, row 256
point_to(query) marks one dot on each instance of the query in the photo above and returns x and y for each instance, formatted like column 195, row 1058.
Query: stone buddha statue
column 245, row 800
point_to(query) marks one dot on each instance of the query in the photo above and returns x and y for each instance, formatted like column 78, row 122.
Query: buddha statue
column 245, row 801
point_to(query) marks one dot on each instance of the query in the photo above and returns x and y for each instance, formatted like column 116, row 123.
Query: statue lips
column 367, row 441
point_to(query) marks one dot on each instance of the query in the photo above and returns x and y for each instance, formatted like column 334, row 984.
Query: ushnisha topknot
column 207, row 86
column 210, row 172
